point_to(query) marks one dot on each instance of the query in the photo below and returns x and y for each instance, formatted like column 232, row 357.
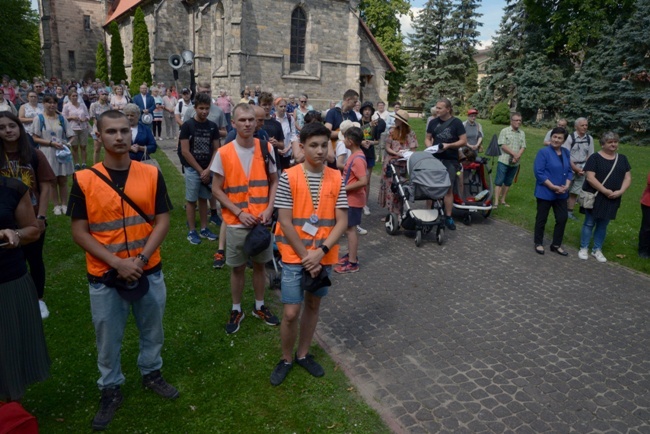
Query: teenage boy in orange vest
column 355, row 181
column 245, row 184
column 117, row 239
column 199, row 139
column 312, row 212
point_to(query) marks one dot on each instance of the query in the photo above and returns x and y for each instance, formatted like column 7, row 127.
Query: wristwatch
column 325, row 249
column 143, row 258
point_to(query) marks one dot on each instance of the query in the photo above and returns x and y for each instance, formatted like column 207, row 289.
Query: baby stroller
column 428, row 180
column 274, row 266
column 475, row 193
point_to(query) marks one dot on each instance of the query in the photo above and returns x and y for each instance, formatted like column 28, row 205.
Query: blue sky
column 492, row 11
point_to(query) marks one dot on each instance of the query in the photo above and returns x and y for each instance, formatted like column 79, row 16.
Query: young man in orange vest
column 122, row 246
column 312, row 212
column 245, row 182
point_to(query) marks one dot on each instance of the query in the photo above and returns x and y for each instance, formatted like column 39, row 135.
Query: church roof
column 366, row 29
column 119, row 8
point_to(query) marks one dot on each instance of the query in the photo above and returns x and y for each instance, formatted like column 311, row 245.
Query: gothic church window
column 298, row 30
column 86, row 22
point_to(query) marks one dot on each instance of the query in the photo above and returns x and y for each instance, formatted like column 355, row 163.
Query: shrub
column 501, row 114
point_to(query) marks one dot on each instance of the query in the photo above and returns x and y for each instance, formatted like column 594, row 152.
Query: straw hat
column 403, row 116
column 346, row 125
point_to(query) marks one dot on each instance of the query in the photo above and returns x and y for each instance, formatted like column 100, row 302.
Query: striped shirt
column 284, row 200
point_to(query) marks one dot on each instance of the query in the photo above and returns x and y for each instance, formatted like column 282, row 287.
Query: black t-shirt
column 12, row 261
column 201, row 142
column 449, row 134
column 77, row 202
column 274, row 129
column 369, row 133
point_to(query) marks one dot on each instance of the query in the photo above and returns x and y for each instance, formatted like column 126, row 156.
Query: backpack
column 573, row 139
column 349, row 171
column 180, row 106
column 264, row 146
column 41, row 119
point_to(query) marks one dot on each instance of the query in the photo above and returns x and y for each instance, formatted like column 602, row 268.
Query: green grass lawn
column 622, row 234
column 223, row 379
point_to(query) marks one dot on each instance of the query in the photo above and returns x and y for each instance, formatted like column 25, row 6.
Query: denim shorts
column 292, row 292
column 505, row 174
column 194, row 188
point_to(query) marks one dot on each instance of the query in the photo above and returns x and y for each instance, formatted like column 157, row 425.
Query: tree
column 141, row 69
column 101, row 60
column 540, row 85
column 118, row 71
column 20, row 47
column 427, row 44
column 613, row 87
column 382, row 18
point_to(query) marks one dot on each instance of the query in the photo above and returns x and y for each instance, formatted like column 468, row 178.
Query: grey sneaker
column 155, row 382
column 310, row 365
column 599, row 256
column 280, row 372
column 108, row 404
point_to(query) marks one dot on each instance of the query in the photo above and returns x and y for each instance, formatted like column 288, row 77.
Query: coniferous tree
column 118, row 71
column 20, row 46
column 382, row 18
column 101, row 60
column 540, row 85
column 431, row 27
column 141, row 69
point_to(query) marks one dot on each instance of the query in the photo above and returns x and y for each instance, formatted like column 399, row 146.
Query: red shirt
column 645, row 198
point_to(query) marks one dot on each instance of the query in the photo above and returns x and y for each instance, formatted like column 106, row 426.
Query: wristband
column 240, row 211
column 143, row 258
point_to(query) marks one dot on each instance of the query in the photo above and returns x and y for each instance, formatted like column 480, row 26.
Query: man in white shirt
column 183, row 106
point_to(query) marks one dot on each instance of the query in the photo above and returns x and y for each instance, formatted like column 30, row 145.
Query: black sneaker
column 108, row 404
column 310, row 365
column 155, row 382
column 233, row 323
column 449, row 222
column 219, row 260
column 280, row 372
column 265, row 315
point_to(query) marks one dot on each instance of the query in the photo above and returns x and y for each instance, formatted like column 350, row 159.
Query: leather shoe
column 539, row 249
column 559, row 250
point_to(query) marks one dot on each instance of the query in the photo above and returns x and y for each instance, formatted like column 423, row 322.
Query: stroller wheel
column 467, row 220
column 440, row 235
column 418, row 238
column 274, row 280
column 486, row 214
column 392, row 224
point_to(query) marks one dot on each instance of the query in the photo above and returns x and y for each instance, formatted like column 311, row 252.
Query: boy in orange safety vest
column 312, row 215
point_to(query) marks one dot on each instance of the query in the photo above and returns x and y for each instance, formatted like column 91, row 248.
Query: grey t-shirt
column 216, row 115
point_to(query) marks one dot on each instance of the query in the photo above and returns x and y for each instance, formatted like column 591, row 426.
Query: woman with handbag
column 608, row 176
column 143, row 142
column 553, row 175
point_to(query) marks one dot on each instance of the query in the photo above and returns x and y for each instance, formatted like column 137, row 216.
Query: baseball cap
column 185, row 90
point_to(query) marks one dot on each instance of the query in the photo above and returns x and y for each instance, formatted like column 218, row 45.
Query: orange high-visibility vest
column 303, row 209
column 112, row 221
column 250, row 195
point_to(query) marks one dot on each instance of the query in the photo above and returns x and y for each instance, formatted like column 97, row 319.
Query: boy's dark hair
column 109, row 114
column 313, row 129
column 202, row 98
column 313, row 116
column 265, row 98
column 355, row 135
column 350, row 93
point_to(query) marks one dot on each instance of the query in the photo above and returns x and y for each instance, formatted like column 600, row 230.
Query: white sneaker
column 57, row 210
column 599, row 256
column 583, row 254
column 366, row 210
column 361, row 231
column 44, row 312
column 64, row 209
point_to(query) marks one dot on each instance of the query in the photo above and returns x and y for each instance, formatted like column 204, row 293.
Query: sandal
column 505, row 204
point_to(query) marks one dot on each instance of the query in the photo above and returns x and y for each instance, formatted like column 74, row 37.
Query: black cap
column 133, row 291
column 257, row 240
column 185, row 90
column 313, row 284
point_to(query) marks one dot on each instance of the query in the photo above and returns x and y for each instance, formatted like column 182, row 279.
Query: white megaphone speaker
column 188, row 57
column 175, row 61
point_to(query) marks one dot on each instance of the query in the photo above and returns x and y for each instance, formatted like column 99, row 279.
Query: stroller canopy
column 428, row 177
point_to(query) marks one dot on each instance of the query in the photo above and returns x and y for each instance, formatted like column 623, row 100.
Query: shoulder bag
column 587, row 199
column 150, row 161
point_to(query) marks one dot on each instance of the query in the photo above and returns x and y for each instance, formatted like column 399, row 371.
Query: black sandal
column 539, row 249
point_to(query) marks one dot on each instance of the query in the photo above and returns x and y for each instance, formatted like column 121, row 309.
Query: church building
column 317, row 47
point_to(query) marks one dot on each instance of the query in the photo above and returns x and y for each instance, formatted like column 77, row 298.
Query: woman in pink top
column 169, row 104
column 225, row 104
column 644, row 233
column 118, row 99
column 77, row 114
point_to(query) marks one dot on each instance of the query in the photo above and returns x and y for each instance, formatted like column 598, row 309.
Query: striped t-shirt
column 284, row 200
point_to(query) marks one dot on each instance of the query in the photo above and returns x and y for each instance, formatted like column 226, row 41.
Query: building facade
column 317, row 47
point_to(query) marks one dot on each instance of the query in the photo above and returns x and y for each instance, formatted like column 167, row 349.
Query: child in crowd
column 157, row 113
column 355, row 180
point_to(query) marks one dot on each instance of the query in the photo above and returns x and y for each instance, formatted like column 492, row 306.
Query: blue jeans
column 109, row 314
column 588, row 227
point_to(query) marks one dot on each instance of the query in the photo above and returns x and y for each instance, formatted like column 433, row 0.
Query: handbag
column 587, row 199
column 150, row 161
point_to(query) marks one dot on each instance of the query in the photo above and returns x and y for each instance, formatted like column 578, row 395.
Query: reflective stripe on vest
column 250, row 195
column 111, row 221
column 303, row 209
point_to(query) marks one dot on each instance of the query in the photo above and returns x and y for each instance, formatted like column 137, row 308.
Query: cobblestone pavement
column 483, row 335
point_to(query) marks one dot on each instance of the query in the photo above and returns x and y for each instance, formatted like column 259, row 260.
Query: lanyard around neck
column 314, row 217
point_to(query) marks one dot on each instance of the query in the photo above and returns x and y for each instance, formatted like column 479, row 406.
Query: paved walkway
column 483, row 335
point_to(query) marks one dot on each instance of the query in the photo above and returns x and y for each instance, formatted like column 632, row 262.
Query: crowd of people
column 263, row 159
